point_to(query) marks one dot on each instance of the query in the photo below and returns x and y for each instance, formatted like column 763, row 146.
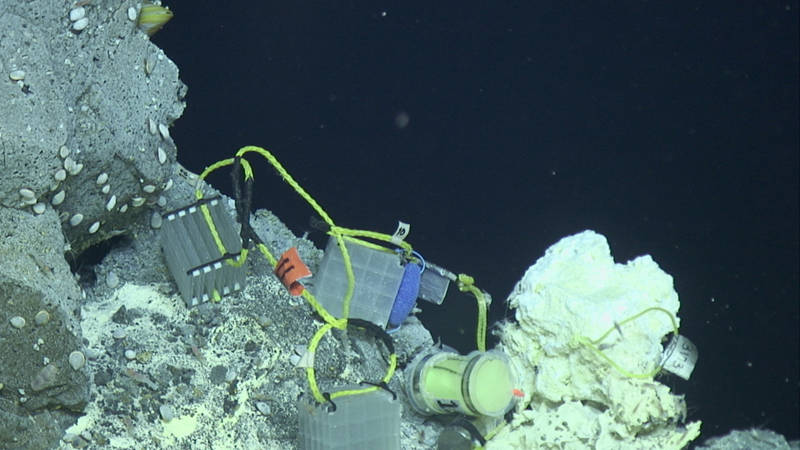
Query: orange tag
column 290, row 269
column 517, row 393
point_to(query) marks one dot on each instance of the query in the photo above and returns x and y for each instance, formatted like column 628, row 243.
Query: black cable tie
column 377, row 331
column 327, row 396
column 383, row 386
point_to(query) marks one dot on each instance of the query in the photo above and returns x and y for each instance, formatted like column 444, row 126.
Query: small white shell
column 60, row 175
column 156, row 220
column 80, row 24
column 72, row 167
column 163, row 130
column 162, row 155
column 168, row 185
column 130, row 354
column 162, row 201
column 105, row 189
column 102, row 178
column 149, row 65
column 123, row 208
column 137, row 201
column 63, row 151
column 94, row 227
column 17, row 75
column 132, row 14
column 17, row 322
column 29, row 201
column 42, row 317
column 76, row 219
column 39, row 208
column 167, row 412
column 149, row 188
column 111, row 203
column 58, row 198
column 27, row 194
column 263, row 408
column 77, row 360
column 112, row 280
column 151, row 126
column 77, row 13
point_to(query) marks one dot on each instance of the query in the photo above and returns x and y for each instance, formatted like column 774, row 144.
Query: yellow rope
column 593, row 344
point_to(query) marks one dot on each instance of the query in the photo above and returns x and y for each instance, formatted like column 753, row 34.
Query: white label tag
column 401, row 232
column 680, row 356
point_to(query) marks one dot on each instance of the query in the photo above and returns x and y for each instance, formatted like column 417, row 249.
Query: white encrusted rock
column 576, row 310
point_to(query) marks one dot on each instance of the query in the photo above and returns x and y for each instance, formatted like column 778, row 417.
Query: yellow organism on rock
column 152, row 17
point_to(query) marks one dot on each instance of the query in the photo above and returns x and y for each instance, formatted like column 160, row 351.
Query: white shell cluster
column 28, row 196
column 78, row 18
column 71, row 166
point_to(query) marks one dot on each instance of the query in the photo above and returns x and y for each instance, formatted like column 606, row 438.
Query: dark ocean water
column 672, row 129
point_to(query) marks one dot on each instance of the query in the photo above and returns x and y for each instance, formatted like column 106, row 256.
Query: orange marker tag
column 517, row 393
column 290, row 269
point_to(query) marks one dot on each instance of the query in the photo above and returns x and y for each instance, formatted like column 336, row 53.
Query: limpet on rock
column 41, row 318
column 77, row 360
column 167, row 412
column 17, row 75
column 17, row 322
column 80, row 24
column 156, row 220
column 162, row 155
column 112, row 280
column 76, row 219
column 58, row 198
column 27, row 194
column 77, row 14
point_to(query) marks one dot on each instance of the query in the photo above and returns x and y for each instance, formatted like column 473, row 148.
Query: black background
column 669, row 127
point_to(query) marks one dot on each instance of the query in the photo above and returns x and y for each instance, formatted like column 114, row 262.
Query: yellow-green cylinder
column 445, row 382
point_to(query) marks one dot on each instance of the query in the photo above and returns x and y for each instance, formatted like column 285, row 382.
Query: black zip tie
column 379, row 332
column 221, row 259
column 327, row 396
column 383, row 386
